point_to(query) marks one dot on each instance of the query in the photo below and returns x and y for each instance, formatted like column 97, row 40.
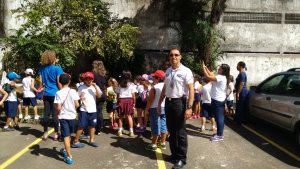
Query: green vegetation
column 198, row 31
column 75, row 29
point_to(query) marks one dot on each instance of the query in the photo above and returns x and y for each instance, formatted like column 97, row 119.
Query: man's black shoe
column 178, row 165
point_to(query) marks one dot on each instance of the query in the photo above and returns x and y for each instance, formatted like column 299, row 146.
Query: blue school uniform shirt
column 49, row 75
column 242, row 77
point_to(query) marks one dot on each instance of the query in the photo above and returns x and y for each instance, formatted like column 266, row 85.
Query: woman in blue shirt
column 241, row 93
column 49, row 78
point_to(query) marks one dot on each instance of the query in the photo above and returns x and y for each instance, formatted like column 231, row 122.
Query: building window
column 292, row 18
column 242, row 17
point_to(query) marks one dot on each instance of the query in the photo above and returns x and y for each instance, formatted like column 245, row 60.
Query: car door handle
column 268, row 98
column 297, row 103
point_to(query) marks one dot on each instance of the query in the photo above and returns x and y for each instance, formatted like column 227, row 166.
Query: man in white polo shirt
column 179, row 92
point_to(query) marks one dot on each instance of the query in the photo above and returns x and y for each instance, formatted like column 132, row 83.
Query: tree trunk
column 218, row 7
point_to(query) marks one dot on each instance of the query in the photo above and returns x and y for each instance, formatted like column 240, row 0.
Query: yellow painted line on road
column 272, row 143
column 159, row 158
column 20, row 153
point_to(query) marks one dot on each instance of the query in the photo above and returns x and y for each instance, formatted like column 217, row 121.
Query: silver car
column 277, row 100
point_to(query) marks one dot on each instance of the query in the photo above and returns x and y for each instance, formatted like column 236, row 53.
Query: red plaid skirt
column 125, row 106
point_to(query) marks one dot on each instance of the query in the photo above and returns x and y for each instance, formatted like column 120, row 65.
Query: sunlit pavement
column 240, row 149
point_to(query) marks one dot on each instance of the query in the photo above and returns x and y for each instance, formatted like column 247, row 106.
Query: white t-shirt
column 180, row 78
column 230, row 96
column 67, row 97
column 197, row 87
column 158, row 88
column 127, row 91
column 28, row 92
column 12, row 96
column 218, row 89
column 140, row 88
column 88, row 93
column 206, row 89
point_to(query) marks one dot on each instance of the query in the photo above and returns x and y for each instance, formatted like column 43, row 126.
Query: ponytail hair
column 125, row 78
column 226, row 72
column 243, row 65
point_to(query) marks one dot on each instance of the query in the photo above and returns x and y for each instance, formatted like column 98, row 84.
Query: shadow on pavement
column 195, row 131
column 134, row 145
column 31, row 131
column 273, row 133
column 52, row 153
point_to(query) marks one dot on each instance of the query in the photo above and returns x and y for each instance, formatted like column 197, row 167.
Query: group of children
column 202, row 101
column 124, row 98
column 12, row 103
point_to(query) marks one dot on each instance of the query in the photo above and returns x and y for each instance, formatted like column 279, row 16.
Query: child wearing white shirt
column 66, row 102
column 126, row 99
column 88, row 110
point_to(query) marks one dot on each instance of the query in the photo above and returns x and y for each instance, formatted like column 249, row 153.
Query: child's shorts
column 140, row 103
column 229, row 103
column 11, row 108
column 110, row 106
column 197, row 97
column 67, row 127
column 87, row 119
column 158, row 123
column 29, row 100
column 206, row 110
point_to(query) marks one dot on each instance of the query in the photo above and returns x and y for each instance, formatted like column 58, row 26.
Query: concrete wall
column 260, row 66
column 253, row 37
column 151, row 17
column 266, row 44
column 273, row 6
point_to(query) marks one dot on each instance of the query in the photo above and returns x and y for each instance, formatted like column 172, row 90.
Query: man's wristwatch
column 189, row 106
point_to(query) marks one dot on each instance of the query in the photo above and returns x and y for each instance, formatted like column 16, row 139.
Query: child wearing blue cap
column 11, row 103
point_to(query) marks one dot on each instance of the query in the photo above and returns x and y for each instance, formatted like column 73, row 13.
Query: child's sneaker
column 27, row 117
column 151, row 147
column 55, row 137
column 161, row 145
column 93, row 144
column 63, row 152
column 120, row 133
column 216, row 138
column 7, row 129
column 17, row 127
column 202, row 128
column 213, row 128
column 83, row 136
column 115, row 126
column 20, row 116
column 68, row 160
column 45, row 136
column 131, row 134
column 36, row 117
column 77, row 145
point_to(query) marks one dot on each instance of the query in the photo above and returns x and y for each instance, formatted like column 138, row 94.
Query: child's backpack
column 7, row 87
column 144, row 95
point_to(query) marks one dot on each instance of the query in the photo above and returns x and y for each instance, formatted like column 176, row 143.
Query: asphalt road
column 241, row 149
